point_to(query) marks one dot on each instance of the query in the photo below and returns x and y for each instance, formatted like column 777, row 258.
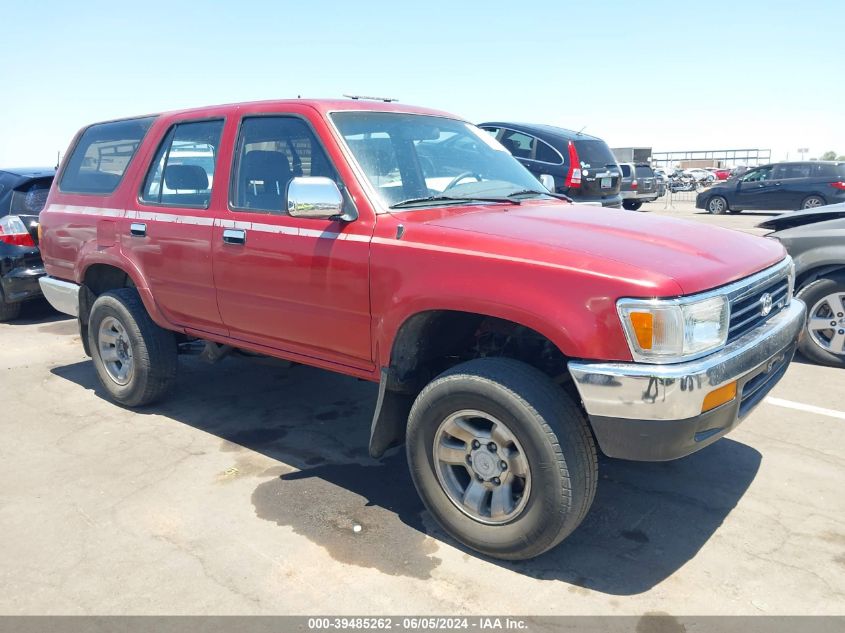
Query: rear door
column 293, row 284
column 790, row 185
column 646, row 180
column 168, row 232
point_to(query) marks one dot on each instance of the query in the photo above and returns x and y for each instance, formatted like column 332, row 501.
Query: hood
column 809, row 216
column 695, row 256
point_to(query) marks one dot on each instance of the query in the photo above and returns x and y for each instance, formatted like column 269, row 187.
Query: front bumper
column 651, row 412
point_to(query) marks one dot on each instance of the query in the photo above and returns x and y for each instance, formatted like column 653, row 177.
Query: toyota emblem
column 766, row 304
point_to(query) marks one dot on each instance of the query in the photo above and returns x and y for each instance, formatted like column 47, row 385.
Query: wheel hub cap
column 826, row 324
column 115, row 350
column 481, row 467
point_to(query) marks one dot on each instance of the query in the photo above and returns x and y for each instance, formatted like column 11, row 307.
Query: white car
column 701, row 175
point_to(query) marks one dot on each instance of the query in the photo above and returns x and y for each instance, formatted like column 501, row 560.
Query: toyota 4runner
column 510, row 331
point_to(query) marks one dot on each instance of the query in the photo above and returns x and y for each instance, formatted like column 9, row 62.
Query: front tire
column 824, row 333
column 717, row 205
column 135, row 359
column 632, row 205
column 502, row 457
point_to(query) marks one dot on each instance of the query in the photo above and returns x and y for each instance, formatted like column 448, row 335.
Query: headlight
column 671, row 330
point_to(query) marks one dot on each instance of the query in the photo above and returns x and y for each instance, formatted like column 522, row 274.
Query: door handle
column 138, row 229
column 234, row 236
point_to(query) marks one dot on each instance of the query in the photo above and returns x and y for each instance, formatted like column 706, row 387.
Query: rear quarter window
column 101, row 155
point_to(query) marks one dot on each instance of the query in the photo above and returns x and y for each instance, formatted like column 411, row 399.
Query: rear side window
column 644, row 171
column 182, row 171
column 271, row 151
column 29, row 199
column 547, row 154
column 102, row 154
column 626, row 170
column 821, row 170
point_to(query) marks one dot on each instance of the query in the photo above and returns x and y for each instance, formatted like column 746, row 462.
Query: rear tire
column 825, row 298
column 812, row 202
column 548, row 458
column 717, row 205
column 632, row 205
column 135, row 359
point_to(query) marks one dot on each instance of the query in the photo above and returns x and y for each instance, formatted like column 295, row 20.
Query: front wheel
column 502, row 457
column 824, row 336
column 717, row 205
column 632, row 205
column 135, row 359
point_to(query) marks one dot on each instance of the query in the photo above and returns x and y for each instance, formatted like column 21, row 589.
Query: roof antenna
column 578, row 133
column 358, row 97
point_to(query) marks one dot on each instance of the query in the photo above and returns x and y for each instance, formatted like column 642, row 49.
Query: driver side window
column 758, row 175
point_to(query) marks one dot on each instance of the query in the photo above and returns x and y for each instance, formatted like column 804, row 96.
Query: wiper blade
column 525, row 192
column 413, row 201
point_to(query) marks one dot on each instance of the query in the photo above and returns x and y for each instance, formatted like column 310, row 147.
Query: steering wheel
column 460, row 177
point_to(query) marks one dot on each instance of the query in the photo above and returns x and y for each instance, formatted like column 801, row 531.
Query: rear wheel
column 717, row 205
column 501, row 457
column 824, row 337
column 135, row 359
column 812, row 202
column 632, row 205
column 9, row 311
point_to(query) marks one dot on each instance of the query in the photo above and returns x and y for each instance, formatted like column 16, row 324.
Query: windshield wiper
column 412, row 201
column 525, row 192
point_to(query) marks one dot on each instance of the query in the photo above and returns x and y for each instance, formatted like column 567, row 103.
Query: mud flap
column 390, row 417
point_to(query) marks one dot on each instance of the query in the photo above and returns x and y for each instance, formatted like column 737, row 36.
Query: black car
column 778, row 187
column 23, row 193
column 575, row 164
column 816, row 240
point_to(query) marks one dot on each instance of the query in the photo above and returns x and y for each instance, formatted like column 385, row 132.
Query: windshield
column 410, row 157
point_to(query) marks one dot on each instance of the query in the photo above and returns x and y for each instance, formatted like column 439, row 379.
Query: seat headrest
column 185, row 177
column 266, row 165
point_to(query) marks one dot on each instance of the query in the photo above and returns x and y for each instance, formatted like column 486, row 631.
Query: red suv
column 509, row 331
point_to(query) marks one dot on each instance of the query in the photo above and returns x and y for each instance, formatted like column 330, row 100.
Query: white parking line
column 809, row 408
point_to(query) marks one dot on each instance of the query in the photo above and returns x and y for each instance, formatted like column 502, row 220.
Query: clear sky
column 672, row 75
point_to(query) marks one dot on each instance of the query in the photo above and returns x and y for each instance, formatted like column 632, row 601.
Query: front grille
column 747, row 308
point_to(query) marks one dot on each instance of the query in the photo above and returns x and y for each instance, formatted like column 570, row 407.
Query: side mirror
column 315, row 197
column 548, row 181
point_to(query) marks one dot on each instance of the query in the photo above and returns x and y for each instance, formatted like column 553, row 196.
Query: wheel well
column 98, row 278
column 430, row 342
column 809, row 276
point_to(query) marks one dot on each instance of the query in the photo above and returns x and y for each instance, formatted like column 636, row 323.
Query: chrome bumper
column 675, row 392
column 654, row 412
column 62, row 295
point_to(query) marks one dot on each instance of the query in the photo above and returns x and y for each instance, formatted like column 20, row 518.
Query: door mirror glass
column 315, row 197
column 548, row 181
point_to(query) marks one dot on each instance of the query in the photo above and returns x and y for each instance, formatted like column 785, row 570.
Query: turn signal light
column 719, row 396
column 643, row 324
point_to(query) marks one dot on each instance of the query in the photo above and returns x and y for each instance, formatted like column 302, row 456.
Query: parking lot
column 250, row 491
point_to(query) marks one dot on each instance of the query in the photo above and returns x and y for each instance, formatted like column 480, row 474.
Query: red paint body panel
column 335, row 294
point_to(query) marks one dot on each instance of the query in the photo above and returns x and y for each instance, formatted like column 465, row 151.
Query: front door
column 755, row 190
column 293, row 284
